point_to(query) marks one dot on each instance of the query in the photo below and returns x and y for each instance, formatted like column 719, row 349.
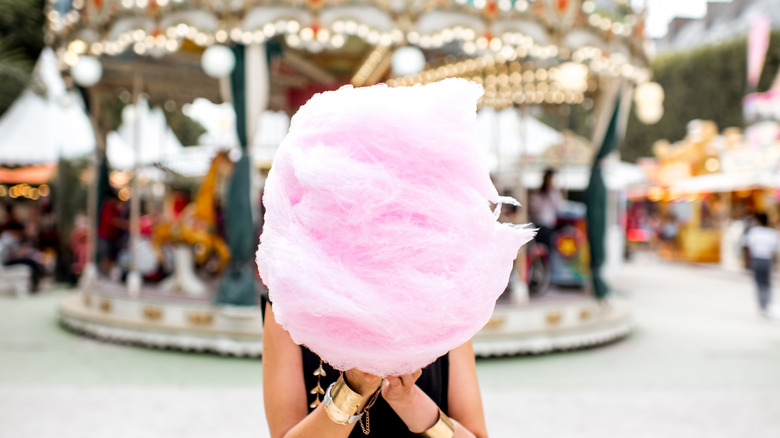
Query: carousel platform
column 556, row 322
column 105, row 311
column 153, row 319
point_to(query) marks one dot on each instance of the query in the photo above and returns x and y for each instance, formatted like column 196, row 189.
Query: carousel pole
column 134, row 278
column 86, row 73
column 520, row 294
column 249, row 84
column 596, row 197
column 98, row 155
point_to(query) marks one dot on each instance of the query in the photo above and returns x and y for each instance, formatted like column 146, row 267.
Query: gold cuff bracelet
column 442, row 429
column 342, row 403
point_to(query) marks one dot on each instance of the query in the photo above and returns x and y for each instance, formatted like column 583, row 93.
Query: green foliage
column 15, row 74
column 69, row 192
column 21, row 25
column 21, row 40
column 111, row 112
column 706, row 83
column 187, row 130
column 70, row 200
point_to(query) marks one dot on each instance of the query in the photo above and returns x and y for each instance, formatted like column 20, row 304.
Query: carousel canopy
column 42, row 128
column 520, row 50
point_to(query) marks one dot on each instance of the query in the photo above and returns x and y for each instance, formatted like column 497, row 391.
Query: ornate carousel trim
column 157, row 323
column 197, row 326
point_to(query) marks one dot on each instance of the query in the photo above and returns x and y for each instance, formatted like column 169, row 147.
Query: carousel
column 261, row 56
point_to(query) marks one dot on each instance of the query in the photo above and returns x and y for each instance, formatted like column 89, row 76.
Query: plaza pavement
column 701, row 363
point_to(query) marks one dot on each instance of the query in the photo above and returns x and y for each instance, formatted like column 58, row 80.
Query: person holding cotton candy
column 383, row 256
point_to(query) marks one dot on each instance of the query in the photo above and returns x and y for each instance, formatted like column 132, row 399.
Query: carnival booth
column 708, row 186
column 539, row 54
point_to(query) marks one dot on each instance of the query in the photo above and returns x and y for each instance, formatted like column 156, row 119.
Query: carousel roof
column 513, row 47
column 42, row 128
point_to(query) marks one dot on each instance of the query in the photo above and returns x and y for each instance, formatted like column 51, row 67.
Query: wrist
column 414, row 398
column 342, row 404
column 361, row 386
column 345, row 406
column 417, row 410
column 443, row 428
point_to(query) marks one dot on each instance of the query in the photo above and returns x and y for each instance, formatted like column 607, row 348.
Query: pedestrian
column 18, row 249
column 544, row 206
column 761, row 242
column 109, row 233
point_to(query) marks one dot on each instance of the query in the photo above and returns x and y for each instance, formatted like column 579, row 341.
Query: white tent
column 220, row 119
column 41, row 129
column 193, row 161
column 618, row 175
column 506, row 137
column 272, row 128
column 156, row 140
column 726, row 182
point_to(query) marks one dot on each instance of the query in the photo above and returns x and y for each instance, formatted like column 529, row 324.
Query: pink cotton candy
column 379, row 248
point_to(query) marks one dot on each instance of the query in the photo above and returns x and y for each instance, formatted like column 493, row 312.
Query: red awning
column 30, row 175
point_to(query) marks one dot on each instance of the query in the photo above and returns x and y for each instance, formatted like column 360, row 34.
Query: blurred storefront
column 706, row 188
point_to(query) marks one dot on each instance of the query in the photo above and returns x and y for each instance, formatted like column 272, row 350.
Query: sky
column 660, row 12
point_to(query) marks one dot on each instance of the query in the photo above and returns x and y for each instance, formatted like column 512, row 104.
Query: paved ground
column 701, row 363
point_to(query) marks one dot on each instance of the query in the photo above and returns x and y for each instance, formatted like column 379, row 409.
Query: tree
column 21, row 40
column 705, row 83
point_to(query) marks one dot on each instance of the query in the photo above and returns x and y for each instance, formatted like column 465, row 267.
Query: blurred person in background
column 110, row 231
column 79, row 245
column 669, row 232
column 10, row 221
column 16, row 249
column 761, row 242
column 543, row 207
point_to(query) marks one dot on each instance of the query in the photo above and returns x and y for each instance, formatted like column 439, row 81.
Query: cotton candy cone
column 379, row 247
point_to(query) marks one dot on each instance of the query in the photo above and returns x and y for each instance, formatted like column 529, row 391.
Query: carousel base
column 558, row 322
column 157, row 320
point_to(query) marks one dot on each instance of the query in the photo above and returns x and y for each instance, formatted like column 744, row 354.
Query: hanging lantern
column 649, row 99
column 87, row 71
column 573, row 76
column 218, row 61
column 407, row 60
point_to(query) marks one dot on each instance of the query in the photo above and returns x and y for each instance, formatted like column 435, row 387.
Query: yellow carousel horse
column 196, row 229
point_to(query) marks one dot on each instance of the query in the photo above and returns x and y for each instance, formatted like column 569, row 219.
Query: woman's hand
column 400, row 388
column 363, row 383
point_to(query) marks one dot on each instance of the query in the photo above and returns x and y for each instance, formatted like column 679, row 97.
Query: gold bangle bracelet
column 442, row 429
column 342, row 403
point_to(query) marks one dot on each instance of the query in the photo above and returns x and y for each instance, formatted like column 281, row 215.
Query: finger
column 408, row 380
column 393, row 381
column 364, row 374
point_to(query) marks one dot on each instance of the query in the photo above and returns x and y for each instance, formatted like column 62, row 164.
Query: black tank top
column 434, row 381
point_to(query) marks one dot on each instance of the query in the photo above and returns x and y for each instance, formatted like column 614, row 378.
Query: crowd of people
column 31, row 236
column 22, row 241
